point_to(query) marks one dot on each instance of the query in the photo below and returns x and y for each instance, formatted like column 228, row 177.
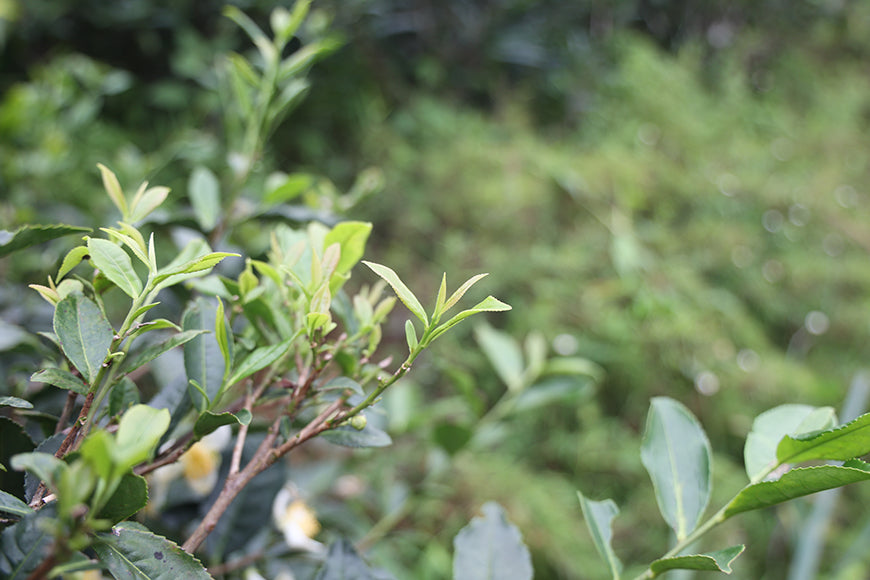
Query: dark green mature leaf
column 84, row 333
column 260, row 359
column 23, row 546
column 599, row 516
column 130, row 552
column 208, row 421
column 202, row 355
column 61, row 379
column 27, row 236
column 115, row 264
column 12, row 505
column 13, row 440
column 796, row 483
column 343, row 563
column 767, row 431
column 718, row 561
column 841, row 443
column 149, row 353
column 130, row 497
column 203, row 189
column 676, row 453
column 491, row 548
column 347, row 436
column 124, row 394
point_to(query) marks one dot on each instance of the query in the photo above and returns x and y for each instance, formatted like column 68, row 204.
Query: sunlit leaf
column 113, row 188
column 115, row 265
column 403, row 292
column 841, row 443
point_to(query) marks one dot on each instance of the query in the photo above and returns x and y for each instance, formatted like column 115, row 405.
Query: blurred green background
column 672, row 195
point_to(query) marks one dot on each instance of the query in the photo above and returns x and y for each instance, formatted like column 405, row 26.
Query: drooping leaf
column 841, row 443
column 260, row 359
column 403, row 292
column 61, row 379
column 203, row 189
column 796, row 483
column 139, row 431
column 152, row 351
column 491, row 548
column 72, row 259
column 15, row 402
column 12, row 505
column 202, row 355
column 343, row 563
column 676, row 453
column 208, row 422
column 44, row 466
column 130, row 496
column 31, row 235
column 767, row 431
column 129, row 552
column 24, row 545
column 718, row 561
column 599, row 516
column 115, row 264
column 347, row 436
column 85, row 334
column 504, row 354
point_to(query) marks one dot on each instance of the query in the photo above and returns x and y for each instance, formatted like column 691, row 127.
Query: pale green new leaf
column 488, row 304
column 796, row 483
column 44, row 466
column 410, row 335
column 113, row 188
column 130, row 242
column 460, row 292
column 841, row 443
column 72, row 259
column 84, row 334
column 146, row 201
column 599, row 516
column 403, row 292
column 351, row 237
column 676, row 453
column 115, row 264
column 718, row 561
column 139, row 431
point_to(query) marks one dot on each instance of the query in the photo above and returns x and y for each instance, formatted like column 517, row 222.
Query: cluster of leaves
column 677, row 454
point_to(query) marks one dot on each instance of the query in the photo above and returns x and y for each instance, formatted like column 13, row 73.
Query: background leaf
column 343, row 563
column 130, row 552
column 676, row 453
column 599, row 516
column 203, row 189
column 24, row 545
column 61, row 379
column 491, row 548
column 718, row 561
column 84, row 333
column 208, row 421
column 347, row 436
column 504, row 354
column 30, row 235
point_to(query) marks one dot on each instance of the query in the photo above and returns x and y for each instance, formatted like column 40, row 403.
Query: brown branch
column 169, row 456
column 67, row 411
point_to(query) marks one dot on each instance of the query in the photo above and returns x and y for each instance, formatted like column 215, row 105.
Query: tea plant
column 677, row 454
column 274, row 350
